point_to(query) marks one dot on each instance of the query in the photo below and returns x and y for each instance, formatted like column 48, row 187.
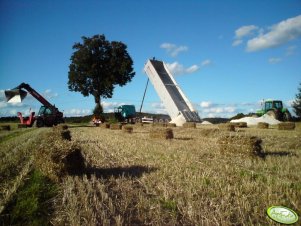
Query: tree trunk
column 98, row 108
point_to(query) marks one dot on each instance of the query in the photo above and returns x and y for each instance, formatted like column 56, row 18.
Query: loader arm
column 35, row 94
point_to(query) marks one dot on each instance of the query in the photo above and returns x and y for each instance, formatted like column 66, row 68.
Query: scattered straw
column 159, row 124
column 161, row 133
column 209, row 132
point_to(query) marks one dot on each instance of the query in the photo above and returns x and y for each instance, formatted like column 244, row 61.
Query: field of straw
column 199, row 176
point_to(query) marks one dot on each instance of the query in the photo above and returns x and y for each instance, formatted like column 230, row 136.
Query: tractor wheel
column 39, row 123
column 273, row 114
column 287, row 116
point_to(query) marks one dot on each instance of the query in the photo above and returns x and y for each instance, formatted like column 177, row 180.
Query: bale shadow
column 279, row 153
column 183, row 138
column 134, row 171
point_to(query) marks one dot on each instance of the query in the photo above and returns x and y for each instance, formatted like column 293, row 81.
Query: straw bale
column 226, row 127
column 116, row 126
column 5, row 127
column 263, row 125
column 161, row 133
column 239, row 124
column 105, row 125
column 246, row 145
column 189, row 125
column 171, row 125
column 287, row 126
column 127, row 129
column 62, row 131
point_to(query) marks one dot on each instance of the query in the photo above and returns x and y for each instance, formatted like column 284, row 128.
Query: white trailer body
column 176, row 103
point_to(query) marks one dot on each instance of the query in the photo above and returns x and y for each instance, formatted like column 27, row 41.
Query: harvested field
column 138, row 180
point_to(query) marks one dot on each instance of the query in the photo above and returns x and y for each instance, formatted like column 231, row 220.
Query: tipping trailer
column 48, row 114
column 176, row 103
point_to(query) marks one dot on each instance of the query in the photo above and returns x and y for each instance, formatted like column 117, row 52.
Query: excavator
column 48, row 114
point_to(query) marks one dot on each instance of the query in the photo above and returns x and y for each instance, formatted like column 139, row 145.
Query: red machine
column 48, row 114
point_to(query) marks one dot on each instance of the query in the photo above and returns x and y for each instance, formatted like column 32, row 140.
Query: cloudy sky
column 225, row 55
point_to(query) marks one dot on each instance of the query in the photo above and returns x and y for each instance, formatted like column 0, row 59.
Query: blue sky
column 225, row 55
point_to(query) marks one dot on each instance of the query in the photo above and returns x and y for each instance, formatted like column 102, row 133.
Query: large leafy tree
column 297, row 103
column 97, row 66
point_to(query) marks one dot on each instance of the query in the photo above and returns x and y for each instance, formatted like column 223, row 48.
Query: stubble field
column 132, row 179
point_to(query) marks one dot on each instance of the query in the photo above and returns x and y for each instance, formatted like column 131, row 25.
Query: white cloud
column 77, row 112
column 290, row 50
column 178, row 69
column 206, row 63
column 278, row 34
column 172, row 49
column 237, row 42
column 245, row 31
column 274, row 60
column 205, row 104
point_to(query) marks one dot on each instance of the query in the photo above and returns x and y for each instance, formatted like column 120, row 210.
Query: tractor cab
column 125, row 112
column 275, row 109
column 47, row 116
column 272, row 104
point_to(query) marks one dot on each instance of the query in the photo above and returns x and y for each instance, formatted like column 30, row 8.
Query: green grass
column 32, row 203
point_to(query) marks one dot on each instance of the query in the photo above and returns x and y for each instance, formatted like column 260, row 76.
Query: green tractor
column 275, row 109
column 125, row 113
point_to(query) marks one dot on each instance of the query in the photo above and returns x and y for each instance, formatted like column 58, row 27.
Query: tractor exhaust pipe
column 15, row 95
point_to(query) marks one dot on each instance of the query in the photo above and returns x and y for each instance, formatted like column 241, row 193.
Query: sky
column 227, row 56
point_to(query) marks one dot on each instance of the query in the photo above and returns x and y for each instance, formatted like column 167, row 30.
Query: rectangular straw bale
column 246, row 145
column 226, row 127
column 239, row 124
column 171, row 125
column 263, row 125
column 115, row 126
column 127, row 128
column 287, row 126
column 189, row 125
column 105, row 125
column 161, row 133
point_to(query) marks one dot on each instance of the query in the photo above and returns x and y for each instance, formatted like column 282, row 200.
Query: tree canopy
column 297, row 102
column 97, row 66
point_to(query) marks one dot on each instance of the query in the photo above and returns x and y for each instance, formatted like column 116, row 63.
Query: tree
column 97, row 66
column 297, row 103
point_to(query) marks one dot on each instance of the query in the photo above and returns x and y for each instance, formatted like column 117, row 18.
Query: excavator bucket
column 15, row 95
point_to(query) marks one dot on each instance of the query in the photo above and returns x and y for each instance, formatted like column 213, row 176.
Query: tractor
column 275, row 109
column 48, row 114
